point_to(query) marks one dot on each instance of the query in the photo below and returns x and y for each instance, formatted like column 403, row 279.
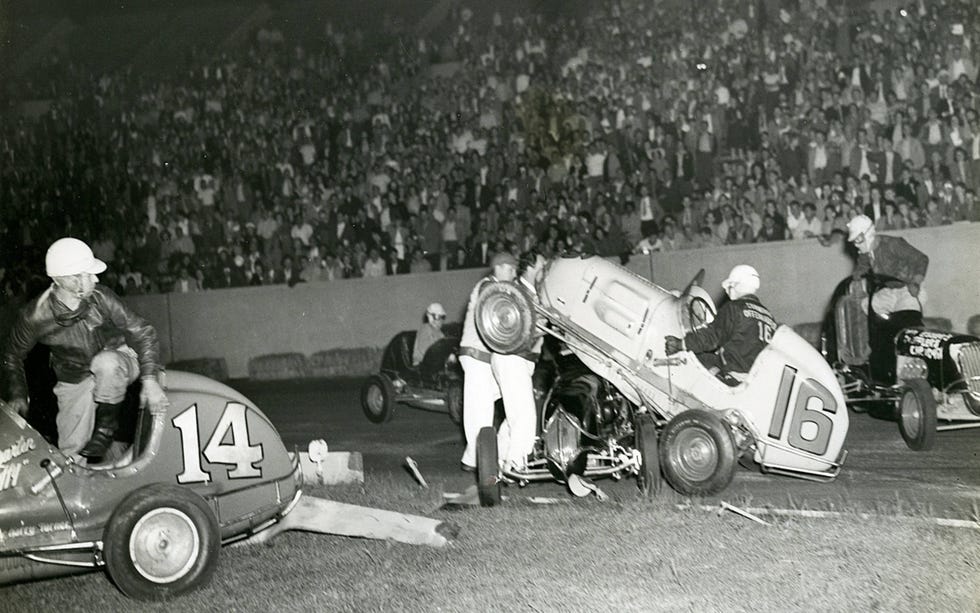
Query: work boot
column 106, row 423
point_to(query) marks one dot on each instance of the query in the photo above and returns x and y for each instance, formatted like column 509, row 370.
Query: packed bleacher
column 617, row 128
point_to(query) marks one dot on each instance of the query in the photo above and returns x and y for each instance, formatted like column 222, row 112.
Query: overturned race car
column 676, row 417
column 208, row 470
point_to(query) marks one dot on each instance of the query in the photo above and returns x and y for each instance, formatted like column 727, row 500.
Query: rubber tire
column 487, row 468
column 454, row 401
column 505, row 318
column 381, row 385
column 710, row 430
column 119, row 533
column 649, row 478
column 923, row 437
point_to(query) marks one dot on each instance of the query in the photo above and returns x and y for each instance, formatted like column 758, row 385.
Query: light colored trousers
column 113, row 370
column 888, row 300
column 507, row 377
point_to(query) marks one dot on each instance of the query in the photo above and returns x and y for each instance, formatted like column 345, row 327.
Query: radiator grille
column 970, row 365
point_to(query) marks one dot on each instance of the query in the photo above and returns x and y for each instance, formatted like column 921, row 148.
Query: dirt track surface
column 880, row 474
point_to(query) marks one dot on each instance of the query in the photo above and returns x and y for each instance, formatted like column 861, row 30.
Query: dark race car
column 928, row 379
column 436, row 383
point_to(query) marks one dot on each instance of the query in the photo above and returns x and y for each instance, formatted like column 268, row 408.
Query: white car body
column 789, row 410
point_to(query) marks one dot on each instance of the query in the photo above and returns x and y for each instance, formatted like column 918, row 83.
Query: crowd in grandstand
column 634, row 127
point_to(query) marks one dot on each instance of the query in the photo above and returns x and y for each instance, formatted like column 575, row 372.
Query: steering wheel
column 700, row 313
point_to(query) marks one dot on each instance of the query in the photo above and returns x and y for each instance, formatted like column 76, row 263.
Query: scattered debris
column 544, row 500
column 469, row 498
column 728, row 507
column 311, row 514
column 813, row 514
column 414, row 467
column 580, row 486
column 320, row 466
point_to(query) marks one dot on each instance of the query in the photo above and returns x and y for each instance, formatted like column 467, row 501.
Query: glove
column 152, row 396
column 672, row 345
column 19, row 405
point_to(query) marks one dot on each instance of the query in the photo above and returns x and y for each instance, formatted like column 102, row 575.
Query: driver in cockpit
column 743, row 327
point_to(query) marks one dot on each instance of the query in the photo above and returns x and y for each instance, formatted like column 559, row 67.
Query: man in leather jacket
column 729, row 345
column 98, row 348
column 889, row 256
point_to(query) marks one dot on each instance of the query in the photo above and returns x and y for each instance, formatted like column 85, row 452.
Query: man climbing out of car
column 98, row 348
column 429, row 332
column 743, row 327
column 890, row 256
column 480, row 387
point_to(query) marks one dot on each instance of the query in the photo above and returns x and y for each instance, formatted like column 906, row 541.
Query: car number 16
column 813, row 402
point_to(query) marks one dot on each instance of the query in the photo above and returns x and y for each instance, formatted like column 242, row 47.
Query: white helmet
column 435, row 311
column 859, row 225
column 861, row 231
column 741, row 281
column 70, row 256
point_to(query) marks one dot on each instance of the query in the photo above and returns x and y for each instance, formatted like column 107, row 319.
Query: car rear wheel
column 378, row 399
column 917, row 415
column 648, row 478
column 487, row 468
column 697, row 453
column 454, row 401
column 505, row 318
column 161, row 541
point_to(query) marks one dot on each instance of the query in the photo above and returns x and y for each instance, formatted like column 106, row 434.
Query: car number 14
column 237, row 452
column 813, row 402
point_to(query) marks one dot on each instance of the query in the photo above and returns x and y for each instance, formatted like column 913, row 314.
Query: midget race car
column 929, row 379
column 675, row 416
column 209, row 470
column 436, row 383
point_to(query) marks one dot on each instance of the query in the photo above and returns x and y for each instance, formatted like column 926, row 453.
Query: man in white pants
column 515, row 439
column 480, row 389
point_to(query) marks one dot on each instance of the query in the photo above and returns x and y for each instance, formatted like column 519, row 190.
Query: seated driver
column 743, row 327
column 429, row 332
column 890, row 256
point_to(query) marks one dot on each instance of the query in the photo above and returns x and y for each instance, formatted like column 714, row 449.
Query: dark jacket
column 101, row 321
column 894, row 257
column 741, row 330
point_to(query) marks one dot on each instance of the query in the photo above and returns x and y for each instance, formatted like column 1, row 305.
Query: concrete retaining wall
column 241, row 324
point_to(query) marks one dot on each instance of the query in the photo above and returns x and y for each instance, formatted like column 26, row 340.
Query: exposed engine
column 585, row 414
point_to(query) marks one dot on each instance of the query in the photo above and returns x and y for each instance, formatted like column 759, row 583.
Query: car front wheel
column 487, row 468
column 648, row 478
column 161, row 541
column 378, row 399
column 917, row 415
column 697, row 453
